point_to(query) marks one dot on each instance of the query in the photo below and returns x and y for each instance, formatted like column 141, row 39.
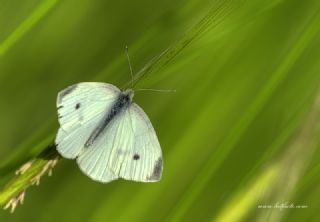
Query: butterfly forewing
column 80, row 108
column 143, row 161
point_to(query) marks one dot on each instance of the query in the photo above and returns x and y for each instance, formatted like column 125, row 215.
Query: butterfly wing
column 128, row 148
column 143, row 161
column 101, row 160
column 80, row 108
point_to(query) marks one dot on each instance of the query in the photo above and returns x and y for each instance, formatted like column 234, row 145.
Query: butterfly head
column 129, row 93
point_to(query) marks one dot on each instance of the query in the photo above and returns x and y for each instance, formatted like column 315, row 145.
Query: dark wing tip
column 65, row 92
column 157, row 171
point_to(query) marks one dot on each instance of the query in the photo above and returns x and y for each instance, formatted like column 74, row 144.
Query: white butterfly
column 110, row 136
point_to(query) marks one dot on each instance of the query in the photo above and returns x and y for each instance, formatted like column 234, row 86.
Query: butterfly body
column 123, row 101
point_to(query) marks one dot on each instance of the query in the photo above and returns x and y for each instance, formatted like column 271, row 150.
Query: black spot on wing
column 157, row 171
column 66, row 91
column 78, row 106
column 136, row 157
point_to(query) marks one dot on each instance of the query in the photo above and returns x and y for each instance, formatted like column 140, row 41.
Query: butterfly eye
column 136, row 157
column 78, row 106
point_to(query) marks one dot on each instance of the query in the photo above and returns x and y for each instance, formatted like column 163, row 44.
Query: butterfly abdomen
column 123, row 101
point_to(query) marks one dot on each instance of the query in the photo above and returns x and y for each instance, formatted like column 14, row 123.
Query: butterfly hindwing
column 102, row 160
column 128, row 148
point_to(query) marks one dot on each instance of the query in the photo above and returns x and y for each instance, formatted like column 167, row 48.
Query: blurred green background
column 240, row 132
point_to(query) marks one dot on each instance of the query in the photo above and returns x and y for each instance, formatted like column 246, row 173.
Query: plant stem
column 36, row 168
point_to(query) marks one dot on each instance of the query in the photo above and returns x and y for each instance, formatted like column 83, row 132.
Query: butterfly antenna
column 158, row 90
column 130, row 67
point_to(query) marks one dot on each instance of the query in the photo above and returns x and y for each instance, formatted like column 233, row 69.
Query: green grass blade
column 241, row 126
column 26, row 25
